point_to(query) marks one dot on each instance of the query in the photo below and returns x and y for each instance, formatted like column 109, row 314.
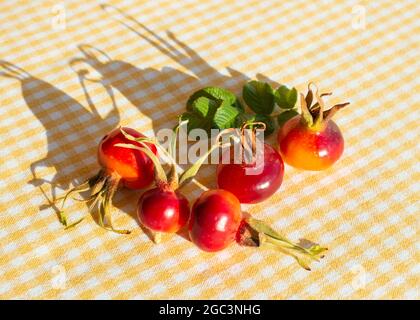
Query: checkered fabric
column 71, row 71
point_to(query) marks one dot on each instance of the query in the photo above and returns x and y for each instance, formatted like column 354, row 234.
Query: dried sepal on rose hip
column 130, row 168
column 312, row 140
column 164, row 209
column 217, row 221
column 256, row 233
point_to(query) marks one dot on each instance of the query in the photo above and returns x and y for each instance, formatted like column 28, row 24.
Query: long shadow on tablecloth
column 66, row 122
column 203, row 73
column 65, row 119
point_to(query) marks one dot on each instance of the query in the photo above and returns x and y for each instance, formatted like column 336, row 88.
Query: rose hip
column 216, row 216
column 131, row 168
column 311, row 141
column 253, row 182
column 216, row 222
column 163, row 210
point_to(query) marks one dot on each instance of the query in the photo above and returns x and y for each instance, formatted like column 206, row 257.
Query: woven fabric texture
column 71, row 71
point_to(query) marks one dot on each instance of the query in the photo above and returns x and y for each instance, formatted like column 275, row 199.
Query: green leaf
column 214, row 93
column 286, row 98
column 225, row 117
column 238, row 105
column 212, row 107
column 285, row 116
column 259, row 97
column 205, row 107
column 195, row 121
column 241, row 119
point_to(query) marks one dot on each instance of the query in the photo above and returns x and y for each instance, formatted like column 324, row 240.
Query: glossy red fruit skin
column 215, row 219
column 257, row 187
column 309, row 149
column 163, row 210
column 134, row 167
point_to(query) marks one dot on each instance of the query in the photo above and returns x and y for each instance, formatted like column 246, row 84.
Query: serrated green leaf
column 259, row 97
column 214, row 93
column 286, row 98
column 205, row 107
column 241, row 119
column 283, row 117
column 221, row 93
column 238, row 105
column 225, row 117
column 196, row 121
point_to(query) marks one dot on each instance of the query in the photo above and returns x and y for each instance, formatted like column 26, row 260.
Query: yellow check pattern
column 73, row 70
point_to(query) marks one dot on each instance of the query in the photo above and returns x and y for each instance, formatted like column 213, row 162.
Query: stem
column 173, row 174
column 156, row 236
column 192, row 171
column 173, row 141
column 257, row 233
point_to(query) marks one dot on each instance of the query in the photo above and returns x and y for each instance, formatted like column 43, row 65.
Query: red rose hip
column 215, row 219
column 163, row 210
column 131, row 168
column 253, row 182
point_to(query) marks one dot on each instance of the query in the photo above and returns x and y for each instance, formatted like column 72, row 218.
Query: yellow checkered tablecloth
column 73, row 70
